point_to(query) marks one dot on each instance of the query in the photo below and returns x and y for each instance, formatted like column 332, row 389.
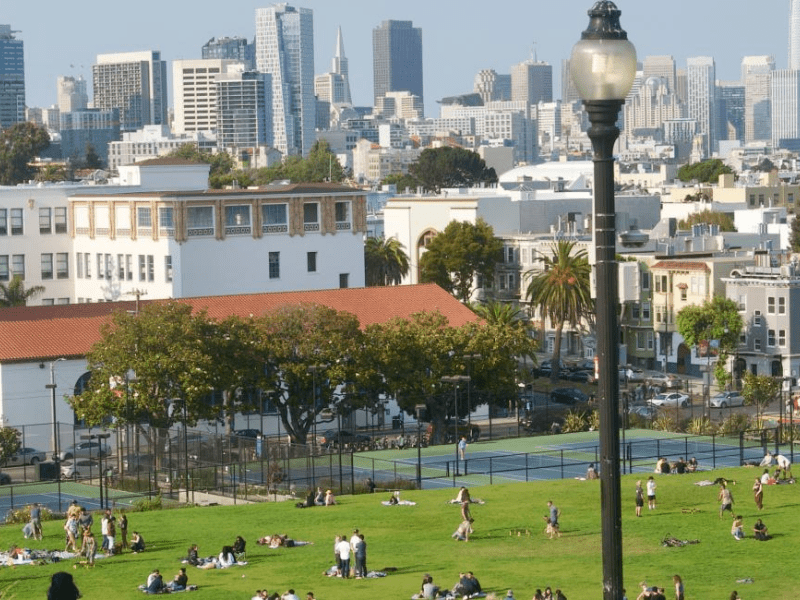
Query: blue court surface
column 19, row 496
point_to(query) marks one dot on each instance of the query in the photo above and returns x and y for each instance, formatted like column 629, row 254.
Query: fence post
column 491, row 471
column 352, row 474
column 561, row 452
column 526, row 466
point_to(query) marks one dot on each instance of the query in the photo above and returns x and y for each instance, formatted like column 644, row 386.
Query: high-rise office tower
column 71, row 93
column 756, row 78
column 730, row 116
column 231, row 48
column 136, row 84
column 12, row 78
column 244, row 109
column 397, row 58
column 340, row 67
column 285, row 50
column 194, row 87
column 785, row 92
column 794, row 34
column 701, row 92
column 569, row 93
column 492, row 86
column 660, row 66
column 532, row 82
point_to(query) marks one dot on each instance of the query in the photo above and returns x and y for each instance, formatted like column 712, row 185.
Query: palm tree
column 499, row 313
column 385, row 261
column 15, row 294
column 562, row 292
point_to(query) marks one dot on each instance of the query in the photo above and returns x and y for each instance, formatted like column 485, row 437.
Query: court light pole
column 419, row 409
column 603, row 66
column 53, row 416
column 455, row 380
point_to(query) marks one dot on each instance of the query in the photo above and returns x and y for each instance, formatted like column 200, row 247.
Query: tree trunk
column 555, row 361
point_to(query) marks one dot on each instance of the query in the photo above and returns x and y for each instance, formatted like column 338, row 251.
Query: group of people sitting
column 467, row 586
column 760, row 531
column 680, row 466
column 155, row 582
column 549, row 594
column 228, row 556
column 319, row 499
column 287, row 595
column 783, row 468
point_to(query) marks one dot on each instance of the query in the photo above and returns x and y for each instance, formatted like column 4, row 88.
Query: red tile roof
column 680, row 265
column 46, row 332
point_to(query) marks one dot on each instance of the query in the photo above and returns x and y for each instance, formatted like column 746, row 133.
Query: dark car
column 247, row 433
column 5, row 479
column 330, row 438
column 568, row 396
column 582, row 376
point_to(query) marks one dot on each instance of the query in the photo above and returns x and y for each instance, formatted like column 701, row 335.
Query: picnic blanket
column 398, row 503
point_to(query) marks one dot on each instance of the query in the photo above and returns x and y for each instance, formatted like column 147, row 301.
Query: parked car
column 247, row 433
column 87, row 449
column 24, row 456
column 136, row 463
column 80, row 468
column 666, row 381
column 643, row 410
column 330, row 438
column 671, row 399
column 582, row 376
column 568, row 396
column 726, row 399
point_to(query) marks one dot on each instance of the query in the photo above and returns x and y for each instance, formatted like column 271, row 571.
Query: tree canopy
column 760, row 391
column 16, row 294
column 19, row 145
column 9, row 441
column 710, row 217
column 707, row 171
column 222, row 168
column 794, row 237
column 438, row 168
column 320, row 165
column 385, row 261
column 461, row 253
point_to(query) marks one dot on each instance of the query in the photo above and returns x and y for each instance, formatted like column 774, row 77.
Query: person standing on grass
column 725, row 499
column 676, row 579
column 554, row 514
column 651, row 493
column 123, row 529
column 462, row 447
column 639, row 498
column 36, row 520
column 344, row 554
column 758, row 493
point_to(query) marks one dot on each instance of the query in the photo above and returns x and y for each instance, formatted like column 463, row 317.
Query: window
column 101, row 272
column 62, row 301
column 3, row 221
column 311, row 216
column 87, row 264
column 342, row 215
column 635, row 310
column 109, row 267
column 79, row 265
column 121, row 267
column 143, row 217
column 344, row 279
column 641, row 340
column 771, row 305
column 752, row 199
column 771, row 338
column 757, row 319
column 61, row 219
column 790, row 199
column 4, row 275
column 645, row 311
column 168, row 268
column 511, row 282
column 645, row 280
column 151, row 270
column 47, row 266
column 274, row 265
column 45, row 221
column 782, row 337
column 781, row 306
column 661, row 283
column 129, row 266
column 757, row 344
column 650, row 342
column 16, row 221
column 274, row 218
column 237, row 219
column 311, row 262
column 142, row 268
column 684, row 294
column 18, row 265
column 199, row 220
column 165, row 219
column 741, row 303
column 48, row 302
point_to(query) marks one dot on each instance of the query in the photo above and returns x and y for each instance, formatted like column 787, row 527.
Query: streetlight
column 419, row 409
column 100, row 437
column 52, row 387
column 313, row 370
column 603, row 66
column 456, row 379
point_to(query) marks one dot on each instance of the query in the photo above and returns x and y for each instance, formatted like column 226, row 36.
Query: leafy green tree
column 166, row 347
column 16, row 294
column 562, row 292
column 385, row 261
column 222, row 170
column 711, row 217
column 403, row 181
column 794, row 238
column 320, row 165
column 9, row 442
column 438, row 168
column 463, row 251
column 715, row 319
column 499, row 313
column 760, row 391
column 707, row 171
column 92, row 160
column 52, row 173
column 19, row 145
column 304, row 346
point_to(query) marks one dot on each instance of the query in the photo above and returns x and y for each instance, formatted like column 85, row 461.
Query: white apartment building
column 194, row 87
column 153, row 141
column 104, row 243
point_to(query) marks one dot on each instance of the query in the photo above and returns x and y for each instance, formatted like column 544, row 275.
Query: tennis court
column 49, row 495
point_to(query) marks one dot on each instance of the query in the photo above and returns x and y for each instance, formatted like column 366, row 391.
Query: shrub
column 23, row 515
column 735, row 424
column 146, row 504
column 664, row 422
column 700, row 426
column 575, row 421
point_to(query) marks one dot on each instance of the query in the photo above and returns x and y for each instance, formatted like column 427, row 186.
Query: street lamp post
column 603, row 66
column 313, row 369
column 455, row 380
column 52, row 387
column 419, row 409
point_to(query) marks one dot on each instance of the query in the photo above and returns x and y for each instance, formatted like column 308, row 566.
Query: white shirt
column 651, row 487
column 344, row 549
column 765, row 478
column 782, row 461
column 354, row 540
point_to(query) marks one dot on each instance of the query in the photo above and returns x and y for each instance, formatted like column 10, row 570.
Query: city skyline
column 460, row 38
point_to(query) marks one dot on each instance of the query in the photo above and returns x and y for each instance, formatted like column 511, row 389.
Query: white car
column 666, row 381
column 726, row 399
column 671, row 399
column 80, row 468
column 88, row 449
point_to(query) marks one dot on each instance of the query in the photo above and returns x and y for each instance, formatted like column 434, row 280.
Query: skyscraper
column 492, row 86
column 12, row 78
column 71, row 93
column 244, row 108
column 701, row 92
column 756, row 78
column 794, row 34
column 532, row 82
column 660, row 66
column 785, row 89
column 194, row 88
column 285, row 50
column 231, row 48
column 340, row 67
column 397, row 58
column 136, row 84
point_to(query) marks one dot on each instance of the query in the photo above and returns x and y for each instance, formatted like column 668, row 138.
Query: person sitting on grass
column 137, row 543
column 192, row 556
column 155, row 583
column 591, row 472
column 463, row 531
column 180, row 581
column 692, row 465
column 760, row 531
column 736, row 528
column 428, row 591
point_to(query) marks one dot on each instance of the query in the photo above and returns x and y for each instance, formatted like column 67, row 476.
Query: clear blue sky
column 460, row 37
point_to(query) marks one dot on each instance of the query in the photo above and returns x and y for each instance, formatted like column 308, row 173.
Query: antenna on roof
column 138, row 293
column 534, row 56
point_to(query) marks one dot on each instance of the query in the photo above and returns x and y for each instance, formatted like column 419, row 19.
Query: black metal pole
column 603, row 133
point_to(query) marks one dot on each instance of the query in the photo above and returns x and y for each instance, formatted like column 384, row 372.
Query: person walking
column 758, row 493
column 725, row 499
column 554, row 514
column 639, row 498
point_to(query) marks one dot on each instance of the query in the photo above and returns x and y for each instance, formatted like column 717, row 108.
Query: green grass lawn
column 416, row 540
